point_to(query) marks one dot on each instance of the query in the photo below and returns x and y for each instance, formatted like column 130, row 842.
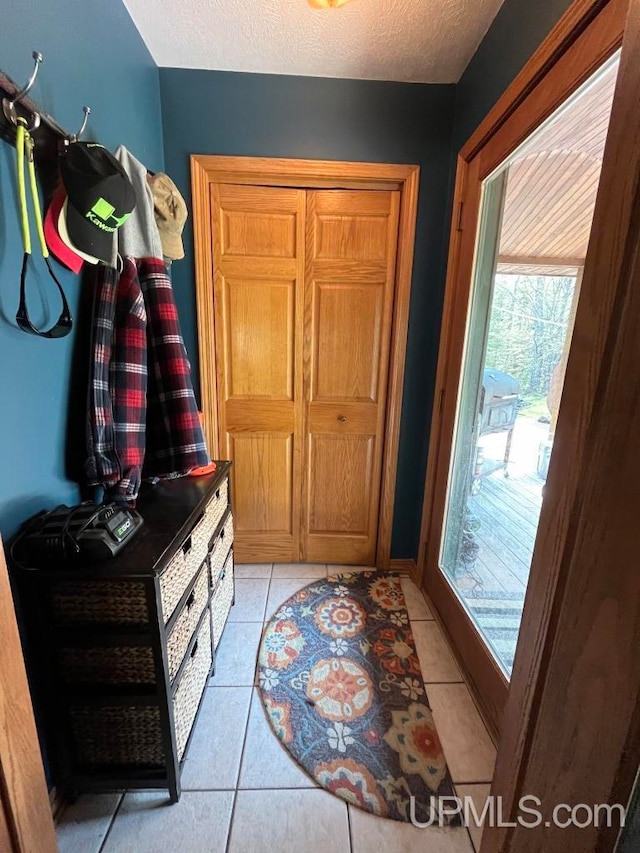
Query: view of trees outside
column 529, row 319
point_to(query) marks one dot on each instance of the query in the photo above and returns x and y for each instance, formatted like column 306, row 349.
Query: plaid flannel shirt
column 140, row 424
column 175, row 443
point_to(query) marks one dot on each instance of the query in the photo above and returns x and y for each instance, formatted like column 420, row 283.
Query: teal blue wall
column 514, row 35
column 93, row 55
column 209, row 112
column 212, row 112
column 516, row 32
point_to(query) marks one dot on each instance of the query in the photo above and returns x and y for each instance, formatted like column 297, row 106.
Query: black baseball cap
column 100, row 198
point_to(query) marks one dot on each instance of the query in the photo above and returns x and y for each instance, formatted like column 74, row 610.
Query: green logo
column 102, row 215
column 103, row 209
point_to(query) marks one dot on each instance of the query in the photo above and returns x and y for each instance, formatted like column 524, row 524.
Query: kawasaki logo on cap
column 102, row 216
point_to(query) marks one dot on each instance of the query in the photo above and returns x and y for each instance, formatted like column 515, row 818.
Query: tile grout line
column 244, row 740
column 116, row 811
column 427, row 683
column 435, row 683
column 464, row 679
column 461, row 681
column 246, row 727
column 241, row 788
column 266, row 604
column 466, row 826
column 264, row 616
column 235, row 790
column 349, row 829
column 254, row 676
column 231, row 817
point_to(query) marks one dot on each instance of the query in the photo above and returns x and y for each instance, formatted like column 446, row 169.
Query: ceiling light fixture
column 326, row 4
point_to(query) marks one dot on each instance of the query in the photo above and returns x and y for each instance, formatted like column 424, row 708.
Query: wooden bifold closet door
column 303, row 294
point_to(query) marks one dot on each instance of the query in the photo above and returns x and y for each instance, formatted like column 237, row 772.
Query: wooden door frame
column 26, row 820
column 589, row 33
column 572, row 723
column 310, row 174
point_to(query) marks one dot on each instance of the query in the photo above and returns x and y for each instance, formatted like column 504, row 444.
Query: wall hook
column 9, row 106
column 38, row 58
column 76, row 136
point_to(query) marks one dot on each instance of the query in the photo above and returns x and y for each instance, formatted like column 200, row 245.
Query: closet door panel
column 263, row 495
column 349, row 286
column 351, row 225
column 349, row 321
column 258, row 234
column 303, row 292
column 344, row 464
column 260, row 341
column 258, row 293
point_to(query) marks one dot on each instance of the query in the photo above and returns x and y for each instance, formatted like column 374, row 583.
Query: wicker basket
column 107, row 665
column 222, row 600
column 178, row 574
column 117, row 735
column 220, row 549
column 111, row 602
column 185, row 625
column 192, row 684
column 218, row 504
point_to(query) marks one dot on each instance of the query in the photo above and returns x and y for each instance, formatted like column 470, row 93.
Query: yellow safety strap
column 24, row 147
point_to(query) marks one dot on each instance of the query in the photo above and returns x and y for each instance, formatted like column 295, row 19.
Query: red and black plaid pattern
column 140, row 423
column 128, row 383
column 118, row 384
column 175, row 443
column 102, row 466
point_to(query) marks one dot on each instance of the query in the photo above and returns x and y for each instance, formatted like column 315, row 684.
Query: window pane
column 535, row 224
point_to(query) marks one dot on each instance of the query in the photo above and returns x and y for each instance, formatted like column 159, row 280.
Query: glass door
column 535, row 221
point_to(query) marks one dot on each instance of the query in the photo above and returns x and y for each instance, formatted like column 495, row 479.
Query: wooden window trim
column 588, row 34
column 557, row 740
column 553, row 743
column 311, row 174
column 567, row 31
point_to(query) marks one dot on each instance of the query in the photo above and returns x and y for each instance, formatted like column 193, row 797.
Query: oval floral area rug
column 341, row 684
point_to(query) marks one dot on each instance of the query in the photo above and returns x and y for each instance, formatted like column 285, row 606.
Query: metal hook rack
column 15, row 102
column 9, row 105
column 83, row 126
column 38, row 58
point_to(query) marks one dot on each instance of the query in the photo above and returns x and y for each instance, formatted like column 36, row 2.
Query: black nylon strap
column 64, row 322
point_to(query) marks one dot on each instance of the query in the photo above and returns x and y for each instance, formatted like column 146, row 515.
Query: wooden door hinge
column 460, row 212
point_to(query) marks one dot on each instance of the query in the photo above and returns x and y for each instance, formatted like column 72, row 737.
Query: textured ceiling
column 421, row 41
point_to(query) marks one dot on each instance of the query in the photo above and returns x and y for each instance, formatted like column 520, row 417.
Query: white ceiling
column 420, row 41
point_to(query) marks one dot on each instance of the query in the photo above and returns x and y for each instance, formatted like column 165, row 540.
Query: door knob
column 343, row 419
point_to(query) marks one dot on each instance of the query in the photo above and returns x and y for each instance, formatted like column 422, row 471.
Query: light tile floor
column 242, row 793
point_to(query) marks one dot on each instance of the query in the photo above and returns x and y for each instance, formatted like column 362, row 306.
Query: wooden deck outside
column 506, row 511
